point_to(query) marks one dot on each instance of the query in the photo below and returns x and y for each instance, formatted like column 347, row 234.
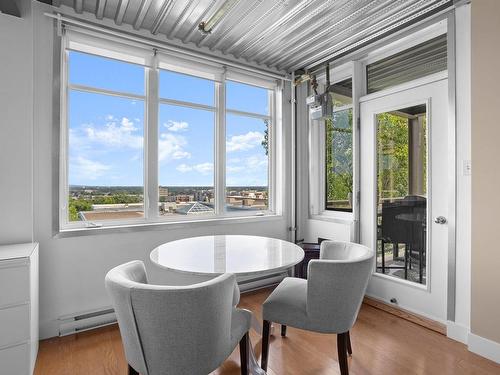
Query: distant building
column 113, row 212
column 194, row 208
column 251, row 199
column 184, row 198
column 163, row 191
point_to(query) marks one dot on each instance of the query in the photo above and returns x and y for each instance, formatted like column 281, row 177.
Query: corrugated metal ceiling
column 278, row 34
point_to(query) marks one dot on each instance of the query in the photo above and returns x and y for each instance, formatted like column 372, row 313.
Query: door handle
column 440, row 220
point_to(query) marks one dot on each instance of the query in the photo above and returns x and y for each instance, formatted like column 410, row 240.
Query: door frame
column 451, row 201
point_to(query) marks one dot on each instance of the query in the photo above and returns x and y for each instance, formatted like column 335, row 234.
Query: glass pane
column 247, row 163
column 104, row 73
column 342, row 93
column 186, row 161
column 105, row 165
column 339, row 161
column 402, row 193
column 186, row 88
column 247, row 98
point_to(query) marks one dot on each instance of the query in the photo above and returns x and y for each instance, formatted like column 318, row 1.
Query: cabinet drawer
column 14, row 284
column 14, row 325
column 15, row 360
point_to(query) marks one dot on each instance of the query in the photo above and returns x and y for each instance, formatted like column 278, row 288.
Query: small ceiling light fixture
column 206, row 27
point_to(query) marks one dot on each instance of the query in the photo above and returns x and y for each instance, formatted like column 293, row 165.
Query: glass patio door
column 404, row 179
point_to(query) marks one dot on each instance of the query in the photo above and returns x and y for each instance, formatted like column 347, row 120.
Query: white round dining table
column 239, row 254
column 242, row 255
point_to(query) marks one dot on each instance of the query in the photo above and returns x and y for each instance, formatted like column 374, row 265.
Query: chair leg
column 349, row 347
column 283, row 330
column 244, row 354
column 265, row 344
column 131, row 371
column 342, row 353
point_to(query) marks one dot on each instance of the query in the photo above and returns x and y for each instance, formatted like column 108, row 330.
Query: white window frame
column 317, row 188
column 153, row 62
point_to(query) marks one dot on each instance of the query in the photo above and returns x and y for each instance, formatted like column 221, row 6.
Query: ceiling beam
column 99, row 9
column 162, row 16
column 238, row 23
column 186, row 12
column 141, row 14
column 120, row 12
column 79, row 6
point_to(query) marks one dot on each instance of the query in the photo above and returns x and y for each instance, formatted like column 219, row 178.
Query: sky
column 106, row 133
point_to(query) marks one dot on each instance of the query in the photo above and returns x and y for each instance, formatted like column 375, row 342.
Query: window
column 142, row 144
column 105, row 139
column 339, row 150
column 248, row 136
column 186, row 145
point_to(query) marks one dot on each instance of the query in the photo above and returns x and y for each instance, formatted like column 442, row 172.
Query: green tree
column 339, row 173
column 265, row 141
column 76, row 206
column 392, row 151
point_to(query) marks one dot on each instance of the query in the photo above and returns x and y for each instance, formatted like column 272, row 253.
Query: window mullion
column 151, row 144
column 220, row 147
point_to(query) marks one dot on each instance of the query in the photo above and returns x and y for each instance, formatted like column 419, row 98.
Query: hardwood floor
column 382, row 344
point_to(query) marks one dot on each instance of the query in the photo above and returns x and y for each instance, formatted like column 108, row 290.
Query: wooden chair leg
column 131, row 371
column 283, row 330
column 342, row 353
column 244, row 343
column 349, row 347
column 265, row 344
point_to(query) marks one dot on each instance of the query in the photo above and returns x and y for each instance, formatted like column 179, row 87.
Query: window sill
column 162, row 225
column 333, row 218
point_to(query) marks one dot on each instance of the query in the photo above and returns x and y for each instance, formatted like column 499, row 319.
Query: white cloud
column 183, row 168
column 244, row 142
column 116, row 133
column 171, row 147
column 88, row 169
column 234, row 169
column 203, row 168
column 256, row 161
column 176, row 126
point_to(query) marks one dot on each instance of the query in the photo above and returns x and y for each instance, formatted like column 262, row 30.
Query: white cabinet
column 18, row 308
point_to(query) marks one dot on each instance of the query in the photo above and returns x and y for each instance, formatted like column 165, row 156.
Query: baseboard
column 457, row 332
column 48, row 329
column 484, row 347
column 407, row 315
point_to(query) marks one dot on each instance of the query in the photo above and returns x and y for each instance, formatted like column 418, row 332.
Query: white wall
column 16, row 126
column 72, row 269
column 459, row 329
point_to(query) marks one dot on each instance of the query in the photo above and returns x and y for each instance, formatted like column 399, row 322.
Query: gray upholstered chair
column 328, row 302
column 177, row 330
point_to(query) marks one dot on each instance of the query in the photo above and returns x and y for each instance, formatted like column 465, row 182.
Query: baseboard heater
column 71, row 324
column 255, row 283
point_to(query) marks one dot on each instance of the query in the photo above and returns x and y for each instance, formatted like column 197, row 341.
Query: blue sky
column 106, row 133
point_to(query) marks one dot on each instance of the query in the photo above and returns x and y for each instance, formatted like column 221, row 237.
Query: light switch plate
column 467, row 170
